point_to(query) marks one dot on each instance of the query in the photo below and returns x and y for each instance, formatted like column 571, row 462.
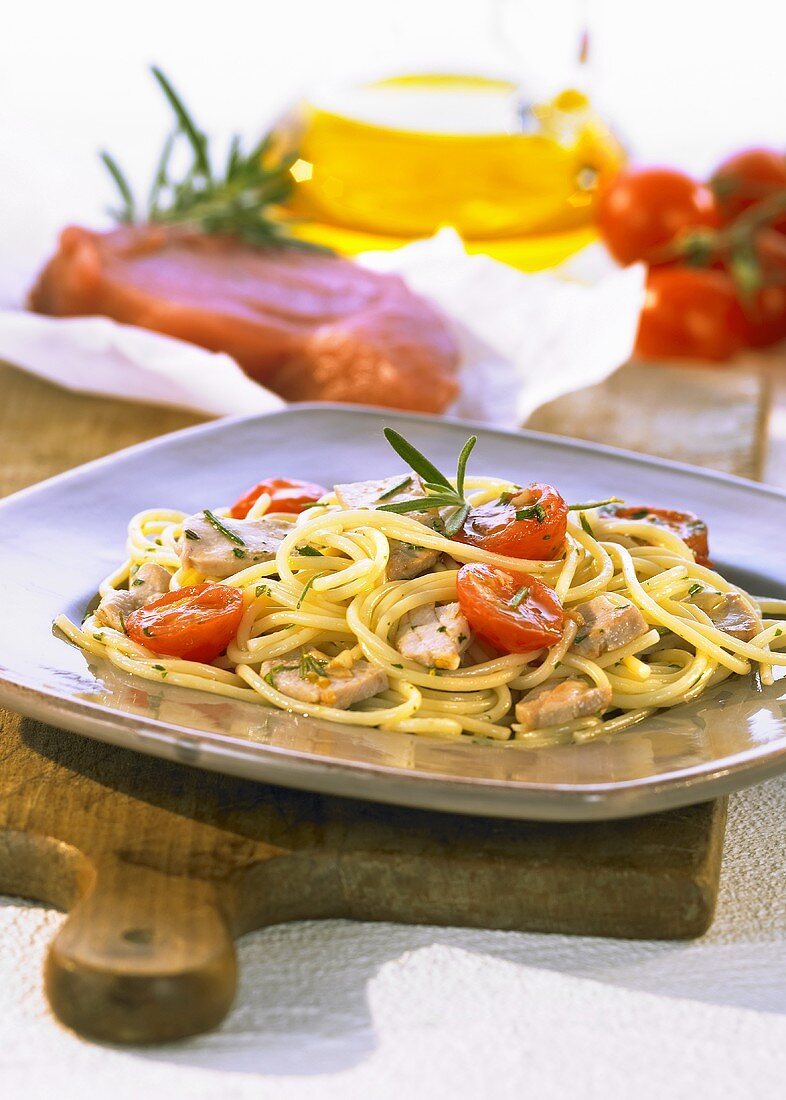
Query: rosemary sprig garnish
column 214, row 521
column 238, row 201
column 440, row 493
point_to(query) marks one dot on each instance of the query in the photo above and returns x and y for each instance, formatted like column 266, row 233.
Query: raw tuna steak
column 312, row 327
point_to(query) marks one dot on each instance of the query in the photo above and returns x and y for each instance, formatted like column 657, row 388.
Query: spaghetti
column 322, row 609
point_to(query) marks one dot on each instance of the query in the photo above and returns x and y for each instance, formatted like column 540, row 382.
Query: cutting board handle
column 142, row 957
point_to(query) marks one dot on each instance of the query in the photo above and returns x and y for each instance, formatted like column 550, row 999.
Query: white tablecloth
column 372, row 1011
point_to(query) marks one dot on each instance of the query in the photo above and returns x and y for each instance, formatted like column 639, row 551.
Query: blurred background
column 678, row 82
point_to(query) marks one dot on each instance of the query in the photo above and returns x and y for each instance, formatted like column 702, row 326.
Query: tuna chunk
column 604, row 627
column 312, row 677
column 205, row 548
column 434, row 636
column 406, row 560
column 731, row 612
column 310, row 327
column 384, row 490
column 556, row 705
column 148, row 583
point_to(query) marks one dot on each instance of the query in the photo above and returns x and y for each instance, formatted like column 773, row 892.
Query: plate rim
column 704, row 472
column 591, row 802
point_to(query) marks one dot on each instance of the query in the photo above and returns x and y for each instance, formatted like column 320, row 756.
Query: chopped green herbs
column 585, row 524
column 396, row 666
column 531, row 511
column 159, row 668
column 268, row 678
column 238, row 552
column 641, row 514
column 694, row 588
column 307, row 586
column 148, row 633
column 214, row 521
column 505, row 498
column 262, row 590
column 522, row 594
column 309, row 664
column 191, row 534
column 134, row 583
column 309, row 552
column 403, row 484
column 462, row 638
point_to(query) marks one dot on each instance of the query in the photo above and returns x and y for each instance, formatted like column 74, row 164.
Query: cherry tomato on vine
column 765, row 317
column 645, row 209
column 690, row 313
column 765, row 312
column 286, row 495
column 746, row 178
column 515, row 612
column 195, row 623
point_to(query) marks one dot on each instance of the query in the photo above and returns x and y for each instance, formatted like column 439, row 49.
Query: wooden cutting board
column 161, row 866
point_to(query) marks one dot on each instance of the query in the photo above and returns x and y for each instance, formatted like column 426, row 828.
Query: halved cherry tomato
column 195, row 623
column 528, row 524
column 515, row 612
column 645, row 209
column 286, row 495
column 690, row 313
column 746, row 178
column 691, row 529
